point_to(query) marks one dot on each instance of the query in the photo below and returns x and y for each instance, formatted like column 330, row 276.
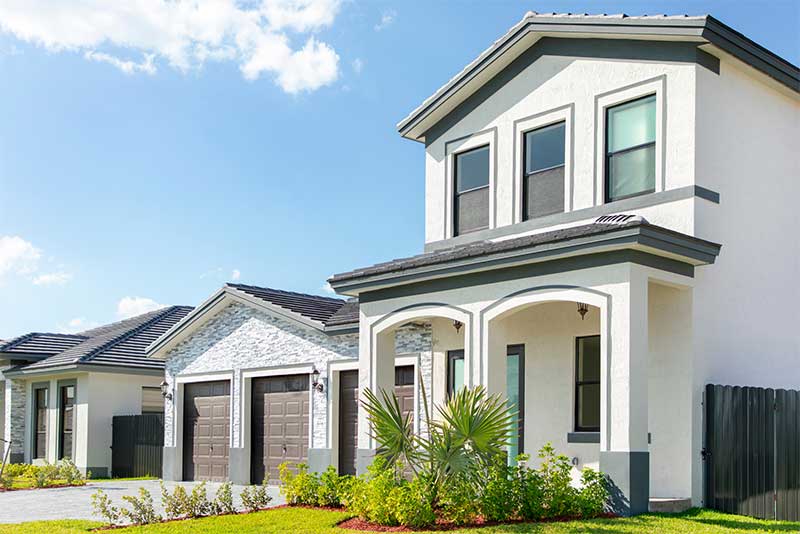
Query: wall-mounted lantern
column 165, row 390
column 315, row 381
column 582, row 309
column 457, row 325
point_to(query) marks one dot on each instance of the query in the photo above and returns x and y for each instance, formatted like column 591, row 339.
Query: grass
column 27, row 483
column 305, row 521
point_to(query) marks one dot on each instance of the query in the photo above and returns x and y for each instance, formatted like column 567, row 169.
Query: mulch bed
column 359, row 524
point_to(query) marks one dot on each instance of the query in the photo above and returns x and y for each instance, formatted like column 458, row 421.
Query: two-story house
column 609, row 227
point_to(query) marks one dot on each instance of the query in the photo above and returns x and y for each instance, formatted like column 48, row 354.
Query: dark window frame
column 35, row 389
column 62, row 391
column 526, row 175
column 457, row 193
column 452, row 355
column 607, row 154
column 519, row 350
column 581, row 383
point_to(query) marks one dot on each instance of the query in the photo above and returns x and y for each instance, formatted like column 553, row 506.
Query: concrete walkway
column 76, row 502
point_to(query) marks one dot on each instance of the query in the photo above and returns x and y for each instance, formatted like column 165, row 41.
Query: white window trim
column 524, row 125
column 457, row 146
column 654, row 86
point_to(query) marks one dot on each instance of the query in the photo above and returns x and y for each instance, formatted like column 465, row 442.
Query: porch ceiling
column 635, row 241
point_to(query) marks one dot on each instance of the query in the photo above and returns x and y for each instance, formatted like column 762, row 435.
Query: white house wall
column 554, row 82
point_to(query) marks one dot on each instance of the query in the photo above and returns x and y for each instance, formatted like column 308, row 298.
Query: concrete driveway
column 76, row 502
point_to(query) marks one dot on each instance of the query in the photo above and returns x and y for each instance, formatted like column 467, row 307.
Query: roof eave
column 657, row 241
column 83, row 367
column 705, row 29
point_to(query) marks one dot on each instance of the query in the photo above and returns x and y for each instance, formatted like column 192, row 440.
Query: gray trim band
column 620, row 206
column 530, row 270
column 583, row 437
column 86, row 368
column 629, row 477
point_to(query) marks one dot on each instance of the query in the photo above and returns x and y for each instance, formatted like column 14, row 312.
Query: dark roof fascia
column 694, row 250
column 339, row 330
column 85, row 367
column 29, row 357
column 708, row 29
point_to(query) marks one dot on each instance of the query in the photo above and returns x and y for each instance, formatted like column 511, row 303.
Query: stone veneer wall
column 15, row 418
column 241, row 337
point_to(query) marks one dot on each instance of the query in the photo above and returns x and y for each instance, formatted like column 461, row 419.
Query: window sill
column 583, row 437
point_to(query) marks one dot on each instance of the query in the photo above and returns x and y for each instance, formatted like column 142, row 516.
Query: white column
column 624, row 452
column 376, row 373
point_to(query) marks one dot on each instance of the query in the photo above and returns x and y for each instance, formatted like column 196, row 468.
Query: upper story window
column 543, row 183
column 631, row 149
column 471, row 202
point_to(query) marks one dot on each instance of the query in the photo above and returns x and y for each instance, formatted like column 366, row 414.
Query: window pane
column 632, row 124
column 544, row 193
column 472, row 169
column 589, row 407
column 589, row 359
column 472, row 211
column 512, row 394
column 544, row 148
column 458, row 373
column 632, row 172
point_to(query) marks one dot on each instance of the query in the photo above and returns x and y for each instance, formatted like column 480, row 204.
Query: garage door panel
column 280, row 426
column 206, row 431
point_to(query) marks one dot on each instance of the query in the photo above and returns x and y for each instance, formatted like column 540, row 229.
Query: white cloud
column 358, row 65
column 133, row 306
column 185, row 34
column 18, row 256
column 387, row 19
column 235, row 275
column 128, row 67
column 51, row 279
column 328, row 289
column 78, row 324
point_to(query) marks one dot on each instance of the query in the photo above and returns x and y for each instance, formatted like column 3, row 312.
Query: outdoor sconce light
column 319, row 386
column 457, row 325
column 582, row 309
column 165, row 390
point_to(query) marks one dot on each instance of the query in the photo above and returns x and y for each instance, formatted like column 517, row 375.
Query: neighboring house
column 255, row 376
column 609, row 217
column 60, row 391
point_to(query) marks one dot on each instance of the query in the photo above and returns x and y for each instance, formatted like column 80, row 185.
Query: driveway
column 76, row 502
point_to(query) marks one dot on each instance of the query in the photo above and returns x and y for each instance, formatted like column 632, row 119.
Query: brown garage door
column 348, row 411
column 206, row 430
column 280, row 424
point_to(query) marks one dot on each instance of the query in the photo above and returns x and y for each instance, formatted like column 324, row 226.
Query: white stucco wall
column 556, row 82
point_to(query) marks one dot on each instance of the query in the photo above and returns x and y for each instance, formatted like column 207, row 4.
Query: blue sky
column 134, row 174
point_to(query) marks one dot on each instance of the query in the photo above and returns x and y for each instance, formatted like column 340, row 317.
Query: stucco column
column 624, row 454
column 495, row 371
column 376, row 373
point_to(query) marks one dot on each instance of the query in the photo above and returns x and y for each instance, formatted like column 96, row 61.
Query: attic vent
column 620, row 219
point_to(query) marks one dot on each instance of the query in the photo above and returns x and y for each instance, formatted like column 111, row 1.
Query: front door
column 348, row 422
column 281, row 411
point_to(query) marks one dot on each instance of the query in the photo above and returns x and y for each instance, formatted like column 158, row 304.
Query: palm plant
column 472, row 429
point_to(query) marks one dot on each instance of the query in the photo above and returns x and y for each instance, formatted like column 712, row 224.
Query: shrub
column 332, row 488
column 101, row 506
column 255, row 498
column 198, row 505
column 412, row 503
column 16, row 470
column 500, row 498
column 223, row 501
column 175, row 505
column 357, row 499
column 44, row 475
column 593, row 494
column 528, row 490
column 141, row 511
column 560, row 497
column 6, row 482
column 299, row 488
column 459, row 501
column 369, row 495
column 70, row 473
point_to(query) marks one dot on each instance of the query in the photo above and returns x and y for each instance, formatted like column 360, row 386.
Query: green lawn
column 305, row 521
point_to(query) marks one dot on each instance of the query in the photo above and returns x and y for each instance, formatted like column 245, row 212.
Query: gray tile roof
column 41, row 344
column 329, row 311
column 120, row 344
column 487, row 248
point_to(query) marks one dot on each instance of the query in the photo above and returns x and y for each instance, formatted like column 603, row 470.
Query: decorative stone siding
column 418, row 339
column 15, row 417
column 241, row 337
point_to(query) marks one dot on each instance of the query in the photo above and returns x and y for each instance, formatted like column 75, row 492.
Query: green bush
column 412, row 503
column 223, row 501
column 298, row 488
column 176, row 505
column 528, row 491
column 68, row 472
column 198, row 504
column 17, row 470
column 459, row 500
column 500, row 498
column 593, row 494
column 333, row 488
column 255, row 498
column 6, row 482
column 560, row 497
column 141, row 511
column 101, row 506
column 44, row 475
column 369, row 495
